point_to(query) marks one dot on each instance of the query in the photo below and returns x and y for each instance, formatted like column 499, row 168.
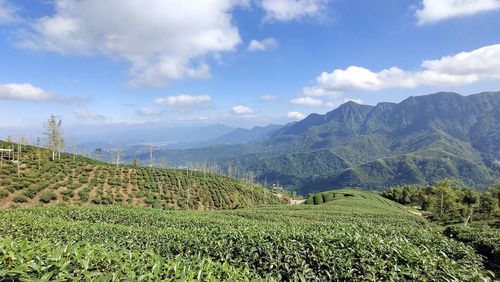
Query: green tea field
column 358, row 236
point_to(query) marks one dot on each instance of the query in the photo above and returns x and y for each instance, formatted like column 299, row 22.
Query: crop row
column 286, row 243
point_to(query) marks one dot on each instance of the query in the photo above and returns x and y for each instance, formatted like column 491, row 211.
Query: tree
column 98, row 153
column 488, row 203
column 54, row 133
column 443, row 201
column 135, row 162
column 495, row 191
column 470, row 199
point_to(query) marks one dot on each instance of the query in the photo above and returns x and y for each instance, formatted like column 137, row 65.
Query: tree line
column 448, row 200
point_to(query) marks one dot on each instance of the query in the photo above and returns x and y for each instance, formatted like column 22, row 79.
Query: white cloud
column 306, row 101
column 164, row 40
column 7, row 12
column 438, row 10
column 295, row 115
column 183, row 100
column 320, row 92
column 459, row 69
column 267, row 98
column 85, row 114
column 149, row 112
column 263, row 45
column 24, row 91
column 289, row 10
column 241, row 110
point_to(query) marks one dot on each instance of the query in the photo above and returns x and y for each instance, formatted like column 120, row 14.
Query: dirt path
column 296, row 202
column 289, row 200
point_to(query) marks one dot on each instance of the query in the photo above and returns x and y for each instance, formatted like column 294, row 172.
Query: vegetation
column 358, row 237
column 419, row 141
column 34, row 178
column 447, row 201
column 485, row 241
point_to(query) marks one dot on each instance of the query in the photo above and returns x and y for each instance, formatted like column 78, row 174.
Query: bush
column 4, row 194
column 318, row 199
column 328, row 197
column 48, row 196
column 20, row 199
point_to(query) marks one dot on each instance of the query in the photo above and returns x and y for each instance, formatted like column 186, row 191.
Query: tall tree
column 54, row 133
column 470, row 199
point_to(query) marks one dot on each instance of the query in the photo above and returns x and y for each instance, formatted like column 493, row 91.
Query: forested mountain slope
column 420, row 140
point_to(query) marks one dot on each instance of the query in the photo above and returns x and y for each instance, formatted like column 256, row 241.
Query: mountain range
column 419, row 140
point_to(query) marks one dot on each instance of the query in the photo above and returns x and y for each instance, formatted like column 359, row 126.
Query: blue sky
column 182, row 63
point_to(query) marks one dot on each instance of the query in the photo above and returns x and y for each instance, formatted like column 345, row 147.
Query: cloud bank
column 438, row 10
column 163, row 40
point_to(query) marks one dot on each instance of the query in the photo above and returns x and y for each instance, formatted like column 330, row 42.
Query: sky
column 98, row 64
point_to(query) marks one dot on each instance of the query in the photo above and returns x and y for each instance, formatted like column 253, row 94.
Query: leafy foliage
column 353, row 238
column 447, row 200
column 485, row 241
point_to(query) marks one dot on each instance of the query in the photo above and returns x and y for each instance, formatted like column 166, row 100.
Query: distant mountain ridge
column 245, row 136
column 418, row 140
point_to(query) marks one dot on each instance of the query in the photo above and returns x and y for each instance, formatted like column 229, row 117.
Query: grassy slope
column 79, row 180
column 358, row 237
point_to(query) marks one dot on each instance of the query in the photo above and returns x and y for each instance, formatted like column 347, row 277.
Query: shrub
column 20, row 199
column 48, row 196
column 4, row 194
column 318, row 199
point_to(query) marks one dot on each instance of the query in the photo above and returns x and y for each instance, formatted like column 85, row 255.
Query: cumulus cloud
column 459, row 69
column 289, row 10
column 85, row 114
column 437, row 10
column 28, row 92
column 306, row 101
column 263, row 45
column 295, row 115
column 149, row 112
column 183, row 100
column 24, row 91
column 241, row 110
column 7, row 12
column 268, row 98
column 163, row 40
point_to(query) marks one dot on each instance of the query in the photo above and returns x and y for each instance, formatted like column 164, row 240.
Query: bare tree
column 117, row 153
column 151, row 159
column 54, row 133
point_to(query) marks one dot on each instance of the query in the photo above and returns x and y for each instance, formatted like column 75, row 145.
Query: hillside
column 77, row 180
column 244, row 136
column 361, row 237
column 420, row 140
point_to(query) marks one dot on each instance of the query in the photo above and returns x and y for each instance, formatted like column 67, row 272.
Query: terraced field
column 360, row 237
column 35, row 180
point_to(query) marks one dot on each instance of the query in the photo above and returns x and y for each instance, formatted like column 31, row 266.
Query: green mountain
column 420, row 140
column 32, row 178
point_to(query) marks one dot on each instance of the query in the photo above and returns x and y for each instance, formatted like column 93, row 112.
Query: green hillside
column 361, row 237
column 36, row 179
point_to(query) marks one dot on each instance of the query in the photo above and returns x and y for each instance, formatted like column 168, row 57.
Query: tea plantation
column 35, row 179
column 360, row 237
